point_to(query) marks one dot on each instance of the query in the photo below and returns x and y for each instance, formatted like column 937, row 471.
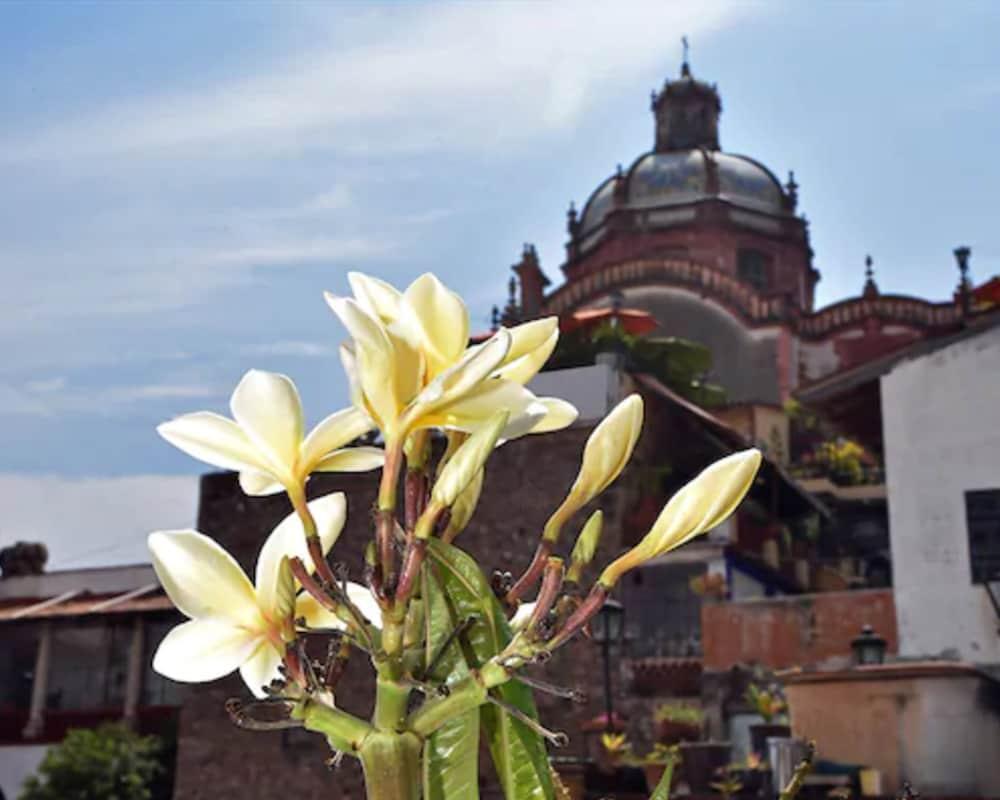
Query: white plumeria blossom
column 409, row 365
column 265, row 441
column 233, row 623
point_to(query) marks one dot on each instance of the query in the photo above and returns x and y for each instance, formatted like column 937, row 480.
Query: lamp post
column 869, row 647
column 607, row 630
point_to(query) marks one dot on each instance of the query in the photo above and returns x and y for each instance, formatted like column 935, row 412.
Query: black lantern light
column 607, row 629
column 869, row 647
column 609, row 623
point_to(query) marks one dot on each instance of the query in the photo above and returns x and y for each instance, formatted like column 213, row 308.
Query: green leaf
column 451, row 754
column 518, row 752
column 662, row 791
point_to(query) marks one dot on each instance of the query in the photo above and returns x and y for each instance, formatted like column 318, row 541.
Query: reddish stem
column 384, row 523
column 416, row 549
column 583, row 614
column 531, row 574
column 551, row 583
column 415, row 488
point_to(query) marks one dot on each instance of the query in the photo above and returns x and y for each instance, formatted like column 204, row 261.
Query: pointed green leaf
column 451, row 754
column 518, row 752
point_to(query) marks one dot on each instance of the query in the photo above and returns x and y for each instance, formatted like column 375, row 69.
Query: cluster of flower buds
column 416, row 380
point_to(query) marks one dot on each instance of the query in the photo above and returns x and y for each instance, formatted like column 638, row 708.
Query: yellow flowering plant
column 446, row 646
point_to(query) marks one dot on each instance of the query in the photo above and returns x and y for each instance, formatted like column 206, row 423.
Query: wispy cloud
column 437, row 76
column 292, row 349
column 51, row 397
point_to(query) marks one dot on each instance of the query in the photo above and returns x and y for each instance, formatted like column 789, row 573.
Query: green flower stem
column 391, row 700
column 343, row 731
column 391, row 763
column 468, row 693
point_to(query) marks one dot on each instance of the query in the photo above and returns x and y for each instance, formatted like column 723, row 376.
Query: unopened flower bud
column 698, row 507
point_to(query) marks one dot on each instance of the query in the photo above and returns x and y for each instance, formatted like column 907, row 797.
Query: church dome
column 687, row 164
column 689, row 176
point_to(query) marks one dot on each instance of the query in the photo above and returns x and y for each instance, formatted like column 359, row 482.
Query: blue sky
column 182, row 180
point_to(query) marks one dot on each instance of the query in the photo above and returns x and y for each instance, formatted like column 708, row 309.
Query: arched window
column 753, row 267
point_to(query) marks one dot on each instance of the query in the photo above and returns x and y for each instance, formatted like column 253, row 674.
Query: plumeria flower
column 409, row 346
column 233, row 623
column 265, row 441
column 384, row 384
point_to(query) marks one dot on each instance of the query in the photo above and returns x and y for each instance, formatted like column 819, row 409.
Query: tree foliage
column 106, row 763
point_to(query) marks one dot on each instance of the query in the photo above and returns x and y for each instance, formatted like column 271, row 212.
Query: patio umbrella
column 633, row 321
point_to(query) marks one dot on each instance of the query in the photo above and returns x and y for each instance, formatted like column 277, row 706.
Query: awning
column 77, row 603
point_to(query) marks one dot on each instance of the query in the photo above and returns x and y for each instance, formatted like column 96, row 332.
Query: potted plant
column 771, row 707
column 676, row 723
column 654, row 764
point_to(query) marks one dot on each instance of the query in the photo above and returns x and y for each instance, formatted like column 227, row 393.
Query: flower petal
column 471, row 411
column 276, row 592
column 316, row 616
column 469, row 373
column 268, row 409
column 375, row 296
column 468, row 460
column 374, row 359
column 261, row 668
column 558, row 415
column 203, row 650
column 338, row 429
column 521, row 616
column 524, row 367
column 352, row 459
column 258, row 484
column 529, row 336
column 213, row 439
column 442, row 319
column 289, row 538
column 202, row 579
column 606, row 453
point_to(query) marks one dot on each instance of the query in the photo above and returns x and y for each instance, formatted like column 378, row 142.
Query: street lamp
column 869, row 647
column 607, row 631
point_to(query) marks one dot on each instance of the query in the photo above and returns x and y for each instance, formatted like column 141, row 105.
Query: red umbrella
column 633, row 321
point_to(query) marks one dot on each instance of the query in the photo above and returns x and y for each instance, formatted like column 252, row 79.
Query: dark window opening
column 17, row 666
column 753, row 267
column 89, row 665
column 982, row 513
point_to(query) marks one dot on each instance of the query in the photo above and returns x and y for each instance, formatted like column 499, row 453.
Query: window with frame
column 982, row 514
column 662, row 613
column 753, row 267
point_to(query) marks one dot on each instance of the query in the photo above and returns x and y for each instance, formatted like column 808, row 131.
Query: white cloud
column 305, row 251
column 291, row 348
column 60, row 397
column 45, row 385
column 94, row 521
column 334, row 199
column 458, row 75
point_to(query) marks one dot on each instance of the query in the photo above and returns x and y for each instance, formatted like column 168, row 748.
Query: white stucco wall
column 594, row 390
column 16, row 764
column 941, row 423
